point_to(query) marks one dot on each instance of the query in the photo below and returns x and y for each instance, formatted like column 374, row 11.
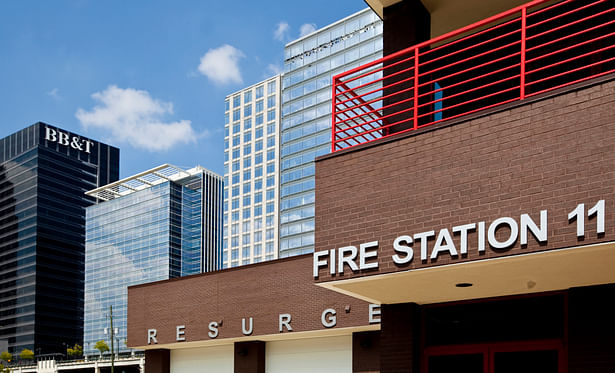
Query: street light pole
column 112, row 337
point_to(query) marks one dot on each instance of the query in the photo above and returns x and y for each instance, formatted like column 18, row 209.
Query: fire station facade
column 465, row 218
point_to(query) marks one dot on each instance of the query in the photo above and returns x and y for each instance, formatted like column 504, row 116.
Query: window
column 225, row 169
column 270, row 155
column 236, row 153
column 246, row 213
column 270, row 207
column 235, row 253
column 270, row 220
column 236, row 140
column 226, row 118
column 269, row 247
column 236, row 115
column 259, row 119
column 235, row 204
column 225, row 219
column 245, row 261
column 247, row 162
column 247, row 136
column 247, row 110
column 271, row 87
column 258, row 197
column 236, row 166
column 225, row 144
column 259, row 133
column 227, row 105
column 260, row 91
column 247, row 149
column 271, row 128
column 259, row 106
column 258, row 184
column 270, row 141
column 270, row 181
column 269, row 234
column 258, row 249
column 245, row 251
column 246, row 226
column 225, row 243
column 246, row 239
column 226, row 155
column 236, row 178
column 258, row 159
column 247, row 175
column 271, row 101
column 258, row 236
column 225, row 206
column 270, row 167
column 258, row 224
column 258, row 210
column 236, row 101
column 234, row 229
column 247, row 124
column 246, row 200
column 271, row 115
column 247, row 96
column 246, row 187
column 235, row 241
column 258, row 146
column 236, row 128
column 258, row 171
column 270, row 194
column 235, row 191
column 225, row 193
column 226, row 131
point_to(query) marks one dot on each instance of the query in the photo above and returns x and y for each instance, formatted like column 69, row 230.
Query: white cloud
column 274, row 69
column 281, row 31
column 307, row 28
column 221, row 65
column 133, row 116
column 54, row 93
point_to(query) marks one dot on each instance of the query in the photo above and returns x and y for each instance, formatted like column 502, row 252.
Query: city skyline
column 157, row 94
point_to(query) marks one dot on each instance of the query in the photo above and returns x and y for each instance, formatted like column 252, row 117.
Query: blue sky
column 134, row 74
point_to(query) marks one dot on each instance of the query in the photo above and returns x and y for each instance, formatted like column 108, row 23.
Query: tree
column 75, row 352
column 6, row 356
column 101, row 346
column 26, row 354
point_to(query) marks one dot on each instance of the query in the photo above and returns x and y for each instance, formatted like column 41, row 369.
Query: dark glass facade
column 44, row 173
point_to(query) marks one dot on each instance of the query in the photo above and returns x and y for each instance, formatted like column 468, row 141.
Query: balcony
column 521, row 53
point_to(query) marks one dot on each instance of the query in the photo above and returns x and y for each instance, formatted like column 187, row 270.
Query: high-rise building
column 310, row 62
column 162, row 223
column 44, row 173
column 251, row 174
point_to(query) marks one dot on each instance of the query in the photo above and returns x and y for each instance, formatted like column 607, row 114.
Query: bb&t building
column 464, row 219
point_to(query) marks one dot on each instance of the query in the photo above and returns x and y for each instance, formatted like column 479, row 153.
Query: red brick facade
column 551, row 154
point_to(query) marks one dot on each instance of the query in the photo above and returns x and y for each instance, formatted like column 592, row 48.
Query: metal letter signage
column 63, row 138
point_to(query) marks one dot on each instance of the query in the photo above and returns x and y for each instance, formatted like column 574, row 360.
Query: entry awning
column 521, row 274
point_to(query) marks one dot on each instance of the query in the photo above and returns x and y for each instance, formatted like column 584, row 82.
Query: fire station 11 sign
column 408, row 246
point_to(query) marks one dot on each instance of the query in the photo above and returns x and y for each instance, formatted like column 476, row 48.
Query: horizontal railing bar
column 569, row 24
column 570, row 83
column 569, row 36
column 383, row 117
column 528, row 72
column 378, row 89
column 382, row 98
column 382, row 108
column 570, row 71
column 570, row 47
column 563, row 14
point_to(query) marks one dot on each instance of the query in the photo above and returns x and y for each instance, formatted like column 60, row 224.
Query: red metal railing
column 528, row 50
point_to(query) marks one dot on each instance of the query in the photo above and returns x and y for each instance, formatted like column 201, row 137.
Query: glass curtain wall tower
column 160, row 224
column 251, row 174
column 310, row 63
column 44, row 173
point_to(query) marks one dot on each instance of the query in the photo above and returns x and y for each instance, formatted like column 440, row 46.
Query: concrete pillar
column 249, row 357
column 141, row 365
column 96, row 367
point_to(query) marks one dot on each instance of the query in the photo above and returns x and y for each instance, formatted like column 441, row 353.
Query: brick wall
column 550, row 154
column 262, row 291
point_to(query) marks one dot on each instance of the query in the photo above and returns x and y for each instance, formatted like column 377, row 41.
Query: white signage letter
column 423, row 237
column 444, row 242
column 374, row 310
column 247, row 331
column 514, row 231
column 349, row 260
column 463, row 230
column 364, row 254
column 319, row 262
column 213, row 329
column 180, row 333
column 331, row 321
column 285, row 322
column 528, row 224
column 62, row 138
column 151, row 336
column 50, row 134
column 403, row 249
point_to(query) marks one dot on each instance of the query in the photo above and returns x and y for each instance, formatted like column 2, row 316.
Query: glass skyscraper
column 44, row 173
column 310, row 63
column 251, row 173
column 159, row 224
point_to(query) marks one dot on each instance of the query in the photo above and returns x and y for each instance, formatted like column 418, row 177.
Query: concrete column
column 400, row 331
column 141, row 365
column 96, row 367
column 249, row 357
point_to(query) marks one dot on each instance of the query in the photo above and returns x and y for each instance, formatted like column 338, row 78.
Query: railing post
column 333, row 115
column 416, row 88
column 523, row 37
